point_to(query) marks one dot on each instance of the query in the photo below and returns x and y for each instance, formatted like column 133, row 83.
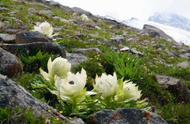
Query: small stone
column 3, row 9
column 47, row 13
column 61, row 19
column 124, row 49
column 118, row 39
column 2, row 25
column 76, row 58
column 134, row 51
column 7, row 38
column 185, row 55
column 184, row 65
column 87, row 50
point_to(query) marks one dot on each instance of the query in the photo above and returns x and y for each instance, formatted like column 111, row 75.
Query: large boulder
column 175, row 86
column 30, row 37
column 125, row 116
column 12, row 95
column 34, row 48
column 155, row 32
column 10, row 65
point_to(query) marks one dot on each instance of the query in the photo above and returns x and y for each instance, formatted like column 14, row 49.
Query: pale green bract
column 44, row 28
column 71, row 86
column 60, row 67
column 106, row 85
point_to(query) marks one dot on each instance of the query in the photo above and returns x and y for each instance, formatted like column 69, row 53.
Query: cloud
column 123, row 9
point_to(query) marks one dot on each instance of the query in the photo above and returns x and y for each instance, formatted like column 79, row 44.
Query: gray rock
column 124, row 49
column 155, row 32
column 185, row 55
column 30, row 37
column 2, row 25
column 87, row 50
column 10, row 65
column 134, row 51
column 12, row 31
column 13, row 95
column 131, row 50
column 7, row 38
column 34, row 48
column 166, row 81
column 118, row 39
column 3, row 9
column 184, row 65
column 61, row 19
column 46, row 13
column 125, row 116
column 175, row 86
column 81, row 11
column 75, row 58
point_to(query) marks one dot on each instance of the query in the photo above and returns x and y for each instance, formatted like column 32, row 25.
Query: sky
column 125, row 9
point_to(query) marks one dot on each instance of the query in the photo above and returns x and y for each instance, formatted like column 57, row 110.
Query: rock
column 155, row 32
column 124, row 49
column 125, row 116
column 134, row 51
column 81, row 11
column 76, row 58
column 34, row 48
column 10, row 65
column 30, row 37
column 46, row 13
column 87, row 50
column 131, row 50
column 13, row 95
column 2, row 25
column 7, row 38
column 12, row 31
column 185, row 55
column 118, row 39
column 184, row 65
column 175, row 86
column 166, row 81
column 3, row 9
column 61, row 19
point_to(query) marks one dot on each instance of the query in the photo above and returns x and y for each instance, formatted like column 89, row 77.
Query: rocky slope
column 151, row 59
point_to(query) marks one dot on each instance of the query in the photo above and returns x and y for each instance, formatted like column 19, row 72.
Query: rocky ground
column 150, row 58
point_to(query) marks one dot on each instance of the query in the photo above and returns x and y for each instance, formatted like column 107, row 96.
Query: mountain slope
column 171, row 19
column 179, row 35
column 109, row 46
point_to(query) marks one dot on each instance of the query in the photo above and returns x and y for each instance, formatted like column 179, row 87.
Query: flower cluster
column 70, row 87
column 68, row 84
column 44, row 28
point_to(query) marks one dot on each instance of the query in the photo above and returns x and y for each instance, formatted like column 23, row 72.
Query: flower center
column 71, row 82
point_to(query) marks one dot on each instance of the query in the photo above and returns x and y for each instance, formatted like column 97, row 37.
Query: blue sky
column 125, row 9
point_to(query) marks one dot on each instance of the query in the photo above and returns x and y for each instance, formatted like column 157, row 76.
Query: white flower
column 84, row 17
column 106, row 85
column 44, row 28
column 71, row 86
column 131, row 91
column 60, row 67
